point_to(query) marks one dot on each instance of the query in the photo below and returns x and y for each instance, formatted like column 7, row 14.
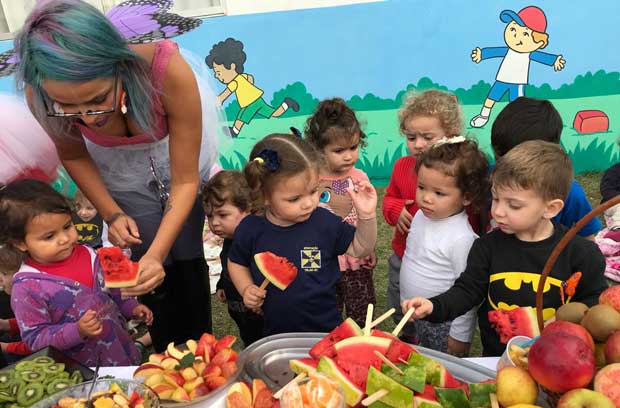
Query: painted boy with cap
column 524, row 35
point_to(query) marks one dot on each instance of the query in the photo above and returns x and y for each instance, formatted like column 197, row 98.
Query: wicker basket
column 553, row 397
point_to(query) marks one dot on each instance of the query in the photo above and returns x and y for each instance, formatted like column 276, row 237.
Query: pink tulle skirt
column 26, row 151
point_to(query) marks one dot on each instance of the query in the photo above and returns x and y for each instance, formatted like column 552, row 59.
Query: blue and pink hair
column 70, row 40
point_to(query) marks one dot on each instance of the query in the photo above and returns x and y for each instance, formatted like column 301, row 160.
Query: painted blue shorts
column 499, row 88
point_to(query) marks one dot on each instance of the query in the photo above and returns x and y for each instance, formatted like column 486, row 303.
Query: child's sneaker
column 478, row 121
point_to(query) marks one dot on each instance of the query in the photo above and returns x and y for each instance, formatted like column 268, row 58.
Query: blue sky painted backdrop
column 381, row 47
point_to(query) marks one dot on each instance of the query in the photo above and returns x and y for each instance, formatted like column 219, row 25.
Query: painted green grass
column 592, row 152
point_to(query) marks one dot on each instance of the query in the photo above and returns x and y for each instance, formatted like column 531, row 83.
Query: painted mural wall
column 272, row 68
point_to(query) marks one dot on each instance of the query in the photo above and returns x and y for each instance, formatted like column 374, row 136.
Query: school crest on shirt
column 310, row 259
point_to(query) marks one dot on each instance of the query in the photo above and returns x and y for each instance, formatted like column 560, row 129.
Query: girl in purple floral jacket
column 59, row 298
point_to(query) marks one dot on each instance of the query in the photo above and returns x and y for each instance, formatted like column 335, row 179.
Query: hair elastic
column 449, row 140
column 259, row 160
column 269, row 158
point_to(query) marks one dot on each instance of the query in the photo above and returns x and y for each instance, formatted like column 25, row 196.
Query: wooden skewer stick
column 371, row 399
column 381, row 318
column 403, row 321
column 263, row 285
column 403, row 361
column 369, row 312
column 299, row 377
column 389, row 363
column 494, row 402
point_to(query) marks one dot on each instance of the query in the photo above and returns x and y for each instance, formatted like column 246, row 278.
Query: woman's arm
column 182, row 104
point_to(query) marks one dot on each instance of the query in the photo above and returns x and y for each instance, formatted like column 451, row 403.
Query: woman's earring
column 124, row 103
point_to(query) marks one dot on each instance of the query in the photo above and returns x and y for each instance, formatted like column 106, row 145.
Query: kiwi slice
column 54, row 368
column 43, row 361
column 30, row 393
column 57, row 385
column 5, row 377
column 32, row 376
column 24, row 365
column 49, row 378
column 76, row 377
column 6, row 396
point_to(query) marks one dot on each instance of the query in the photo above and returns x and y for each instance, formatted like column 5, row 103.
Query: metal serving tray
column 268, row 359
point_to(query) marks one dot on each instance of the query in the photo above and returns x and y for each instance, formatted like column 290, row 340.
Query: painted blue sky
column 382, row 47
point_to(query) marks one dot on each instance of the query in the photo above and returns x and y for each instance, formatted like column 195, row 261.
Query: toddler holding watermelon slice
column 59, row 298
column 283, row 173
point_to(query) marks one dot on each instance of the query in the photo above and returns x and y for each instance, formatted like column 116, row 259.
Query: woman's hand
column 123, row 231
column 364, row 197
column 152, row 274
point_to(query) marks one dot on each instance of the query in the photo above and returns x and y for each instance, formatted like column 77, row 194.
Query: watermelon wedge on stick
column 118, row 270
column 277, row 270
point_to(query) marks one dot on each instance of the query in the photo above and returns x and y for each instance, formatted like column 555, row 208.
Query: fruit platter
column 197, row 372
column 107, row 393
column 44, row 373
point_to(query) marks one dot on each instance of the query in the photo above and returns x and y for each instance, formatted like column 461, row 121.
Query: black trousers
column 181, row 305
column 250, row 324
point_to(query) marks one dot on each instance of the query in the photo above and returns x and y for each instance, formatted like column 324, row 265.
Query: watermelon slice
column 399, row 351
column 521, row 321
column 452, row 397
column 325, row 347
column 356, row 354
column 413, row 377
column 480, row 394
column 420, row 401
column 303, row 365
column 429, row 393
column 352, row 393
column 276, row 269
column 118, row 270
column 398, row 395
column 436, row 374
column 381, row 333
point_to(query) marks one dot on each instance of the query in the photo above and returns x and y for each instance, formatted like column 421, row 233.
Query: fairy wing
column 8, row 63
column 143, row 21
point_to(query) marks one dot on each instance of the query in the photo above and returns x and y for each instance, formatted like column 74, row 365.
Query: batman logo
column 87, row 232
column 517, row 289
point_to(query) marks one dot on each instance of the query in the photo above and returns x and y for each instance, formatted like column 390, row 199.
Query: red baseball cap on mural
column 531, row 17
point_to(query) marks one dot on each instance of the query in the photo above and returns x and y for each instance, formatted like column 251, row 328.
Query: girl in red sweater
column 424, row 118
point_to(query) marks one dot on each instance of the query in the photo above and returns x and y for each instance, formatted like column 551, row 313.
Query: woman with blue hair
column 131, row 130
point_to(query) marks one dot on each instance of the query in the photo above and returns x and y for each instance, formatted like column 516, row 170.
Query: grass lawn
column 223, row 324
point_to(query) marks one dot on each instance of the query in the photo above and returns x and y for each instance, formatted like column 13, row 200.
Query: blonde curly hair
column 439, row 104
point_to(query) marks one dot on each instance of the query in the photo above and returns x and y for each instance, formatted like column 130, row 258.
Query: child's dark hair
column 525, row 119
column 227, row 52
column 227, row 186
column 10, row 260
column 466, row 163
column 276, row 157
column 333, row 120
column 20, row 202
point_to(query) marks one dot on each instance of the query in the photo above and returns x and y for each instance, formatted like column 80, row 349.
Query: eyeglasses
column 57, row 111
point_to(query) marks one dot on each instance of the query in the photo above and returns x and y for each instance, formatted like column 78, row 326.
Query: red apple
column 179, row 395
column 574, row 329
column 229, row 369
column 199, row 391
column 215, row 382
column 612, row 348
column 225, row 342
column 164, row 390
column 146, row 370
column 584, row 398
column 189, row 386
column 174, row 378
column 561, row 362
column 222, row 357
column 212, row 371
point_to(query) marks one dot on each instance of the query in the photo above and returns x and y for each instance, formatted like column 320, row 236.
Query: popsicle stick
column 369, row 312
column 299, row 377
column 381, row 318
column 403, row 361
column 371, row 399
column 494, row 402
column 402, row 322
column 263, row 285
column 388, row 363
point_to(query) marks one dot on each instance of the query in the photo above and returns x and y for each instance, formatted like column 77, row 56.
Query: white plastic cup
column 505, row 360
